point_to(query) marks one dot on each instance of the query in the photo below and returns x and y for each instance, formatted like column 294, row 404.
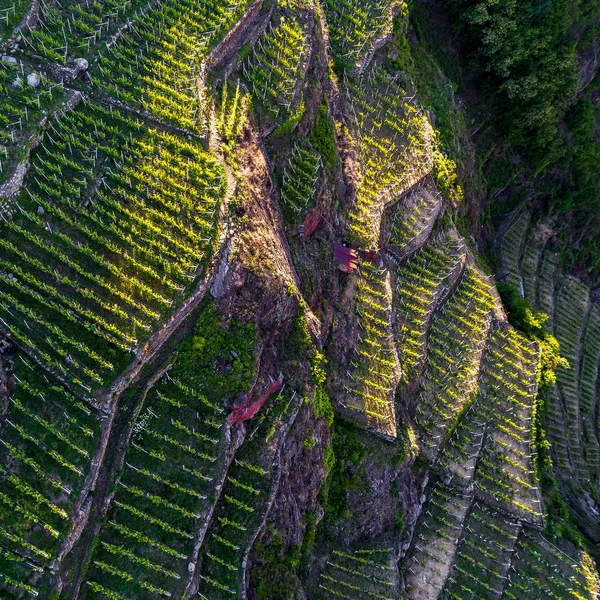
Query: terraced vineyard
column 47, row 443
column 572, row 418
column 452, row 367
column 300, row 181
column 375, row 369
column 194, row 402
column 393, row 141
column 421, row 283
column 362, row 573
column 150, row 58
column 246, row 498
column 274, row 70
column 182, row 499
column 11, row 14
column 134, row 256
column 356, row 25
column 472, row 378
column 512, row 249
column 175, row 463
column 23, row 109
column 413, row 218
column 430, row 560
column 108, row 227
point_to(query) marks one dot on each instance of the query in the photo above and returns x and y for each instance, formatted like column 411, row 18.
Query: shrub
column 322, row 137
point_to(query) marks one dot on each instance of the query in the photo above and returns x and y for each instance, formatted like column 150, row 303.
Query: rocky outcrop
column 246, row 31
column 296, row 509
column 381, row 40
column 68, row 74
column 29, row 21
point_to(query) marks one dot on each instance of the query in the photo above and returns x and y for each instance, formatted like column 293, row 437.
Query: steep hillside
column 529, row 260
column 262, row 333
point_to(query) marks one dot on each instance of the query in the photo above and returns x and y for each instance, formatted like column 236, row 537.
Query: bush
column 322, row 405
column 322, row 137
column 277, row 578
column 348, row 455
column 531, row 323
column 398, row 521
column 403, row 60
column 444, row 172
column 233, row 348
column 298, row 344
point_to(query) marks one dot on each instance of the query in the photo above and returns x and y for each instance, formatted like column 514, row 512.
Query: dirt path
column 248, row 29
